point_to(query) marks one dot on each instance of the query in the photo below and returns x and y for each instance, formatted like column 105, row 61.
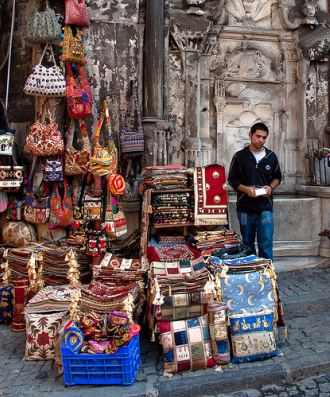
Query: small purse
column 115, row 223
column 96, row 243
column 53, row 170
column 77, row 161
column 44, row 138
column 131, row 138
column 78, row 93
column 44, row 27
column 11, row 178
column 6, row 143
column 104, row 159
column 92, row 208
column 73, row 48
column 46, row 81
column 76, row 13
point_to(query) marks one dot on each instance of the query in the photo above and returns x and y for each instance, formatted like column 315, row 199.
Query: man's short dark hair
column 259, row 126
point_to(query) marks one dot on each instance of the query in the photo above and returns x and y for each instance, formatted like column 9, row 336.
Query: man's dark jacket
column 244, row 170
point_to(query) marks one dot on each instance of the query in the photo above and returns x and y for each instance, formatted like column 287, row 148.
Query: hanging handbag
column 78, row 93
column 15, row 210
column 46, row 81
column 44, row 138
column 116, row 184
column 36, row 210
column 7, row 142
column 44, row 27
column 96, row 243
column 73, row 47
column 61, row 211
column 92, row 208
column 115, row 223
column 104, row 159
column 53, row 170
column 11, row 178
column 77, row 161
column 131, row 138
column 76, row 13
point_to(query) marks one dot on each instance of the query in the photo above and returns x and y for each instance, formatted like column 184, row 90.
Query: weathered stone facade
column 207, row 70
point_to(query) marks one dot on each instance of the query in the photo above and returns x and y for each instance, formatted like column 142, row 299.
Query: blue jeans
column 260, row 224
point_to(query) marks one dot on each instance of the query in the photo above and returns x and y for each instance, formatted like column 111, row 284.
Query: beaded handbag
column 46, row 81
column 73, row 48
column 43, row 27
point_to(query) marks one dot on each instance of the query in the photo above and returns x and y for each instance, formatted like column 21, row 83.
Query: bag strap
column 137, row 107
column 84, row 135
column 51, row 53
column 70, row 135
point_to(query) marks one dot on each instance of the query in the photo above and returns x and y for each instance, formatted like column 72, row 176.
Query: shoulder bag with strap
column 104, row 158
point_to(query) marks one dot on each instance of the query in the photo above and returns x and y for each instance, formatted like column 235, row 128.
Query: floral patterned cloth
column 41, row 334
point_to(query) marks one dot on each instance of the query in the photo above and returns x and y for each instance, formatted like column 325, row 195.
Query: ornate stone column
column 156, row 128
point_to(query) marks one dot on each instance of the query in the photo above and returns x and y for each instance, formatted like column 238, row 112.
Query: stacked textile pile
column 23, row 273
column 172, row 208
column 248, row 287
column 44, row 315
column 103, row 299
column 56, row 265
column 170, row 248
column 209, row 241
column 183, row 310
column 174, row 176
column 116, row 272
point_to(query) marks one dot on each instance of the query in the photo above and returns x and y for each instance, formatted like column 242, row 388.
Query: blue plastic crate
column 119, row 368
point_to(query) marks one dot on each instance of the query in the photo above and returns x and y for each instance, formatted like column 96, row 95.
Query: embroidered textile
column 211, row 201
column 41, row 333
column 252, row 336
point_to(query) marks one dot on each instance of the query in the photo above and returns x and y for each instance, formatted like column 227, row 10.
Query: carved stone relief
column 117, row 11
column 249, row 12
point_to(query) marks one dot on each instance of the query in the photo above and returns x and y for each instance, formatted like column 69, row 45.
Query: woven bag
column 78, row 93
column 73, row 48
column 104, row 159
column 76, row 13
column 46, row 81
column 77, row 161
column 43, row 27
column 44, row 137
column 132, row 138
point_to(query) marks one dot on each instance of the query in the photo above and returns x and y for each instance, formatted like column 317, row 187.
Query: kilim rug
column 211, row 201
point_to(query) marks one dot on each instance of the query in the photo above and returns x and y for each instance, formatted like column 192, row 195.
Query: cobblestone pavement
column 309, row 387
column 306, row 297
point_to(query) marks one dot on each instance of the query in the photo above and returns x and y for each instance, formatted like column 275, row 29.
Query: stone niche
column 232, row 63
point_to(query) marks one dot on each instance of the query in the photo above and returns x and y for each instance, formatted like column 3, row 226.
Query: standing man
column 254, row 174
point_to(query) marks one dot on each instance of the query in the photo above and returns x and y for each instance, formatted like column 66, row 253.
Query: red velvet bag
column 78, row 93
column 76, row 13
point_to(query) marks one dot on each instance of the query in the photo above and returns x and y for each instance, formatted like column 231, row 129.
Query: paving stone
column 283, row 394
column 324, row 387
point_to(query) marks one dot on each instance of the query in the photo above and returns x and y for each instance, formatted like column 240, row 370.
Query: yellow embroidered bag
column 104, row 158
